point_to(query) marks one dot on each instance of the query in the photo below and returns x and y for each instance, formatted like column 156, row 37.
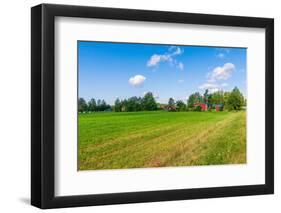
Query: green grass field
column 155, row 139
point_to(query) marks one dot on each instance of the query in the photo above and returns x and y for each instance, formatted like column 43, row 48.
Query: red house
column 217, row 108
column 203, row 106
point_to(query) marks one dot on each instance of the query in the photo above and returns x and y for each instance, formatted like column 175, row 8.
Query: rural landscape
column 126, row 130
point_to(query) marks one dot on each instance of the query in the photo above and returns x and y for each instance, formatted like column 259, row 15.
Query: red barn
column 203, row 106
column 218, row 108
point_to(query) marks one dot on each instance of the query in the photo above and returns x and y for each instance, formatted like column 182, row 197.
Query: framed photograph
column 140, row 106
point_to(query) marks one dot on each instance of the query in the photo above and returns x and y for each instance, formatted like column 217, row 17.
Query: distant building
column 219, row 107
column 171, row 108
column 203, row 106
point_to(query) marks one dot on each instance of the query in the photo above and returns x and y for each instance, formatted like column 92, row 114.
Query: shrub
column 198, row 109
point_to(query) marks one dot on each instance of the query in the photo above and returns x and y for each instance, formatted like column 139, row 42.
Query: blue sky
column 110, row 70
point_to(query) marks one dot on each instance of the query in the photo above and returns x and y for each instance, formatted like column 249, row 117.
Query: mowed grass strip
column 223, row 144
column 155, row 139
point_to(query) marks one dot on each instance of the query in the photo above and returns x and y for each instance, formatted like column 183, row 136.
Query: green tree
column 98, row 105
column 82, row 105
column 193, row 99
column 92, row 105
column 124, row 105
column 117, row 105
column 225, row 97
column 148, row 102
column 171, row 102
column 235, row 100
column 134, row 104
column 217, row 97
column 181, row 105
column 206, row 96
column 198, row 108
column 191, row 102
column 103, row 105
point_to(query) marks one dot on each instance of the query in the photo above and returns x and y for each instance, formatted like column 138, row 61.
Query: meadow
column 109, row 140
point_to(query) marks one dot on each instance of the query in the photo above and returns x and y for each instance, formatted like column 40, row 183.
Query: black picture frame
column 43, row 110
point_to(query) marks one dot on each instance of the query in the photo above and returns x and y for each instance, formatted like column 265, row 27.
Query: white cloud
column 214, row 90
column 221, row 73
column 180, row 65
column 169, row 56
column 154, row 60
column 180, row 81
column 208, row 86
column 175, row 50
column 137, row 80
column 211, row 87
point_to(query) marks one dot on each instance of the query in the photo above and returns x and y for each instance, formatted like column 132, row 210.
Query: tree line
column 132, row 104
column 93, row 105
column 233, row 100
